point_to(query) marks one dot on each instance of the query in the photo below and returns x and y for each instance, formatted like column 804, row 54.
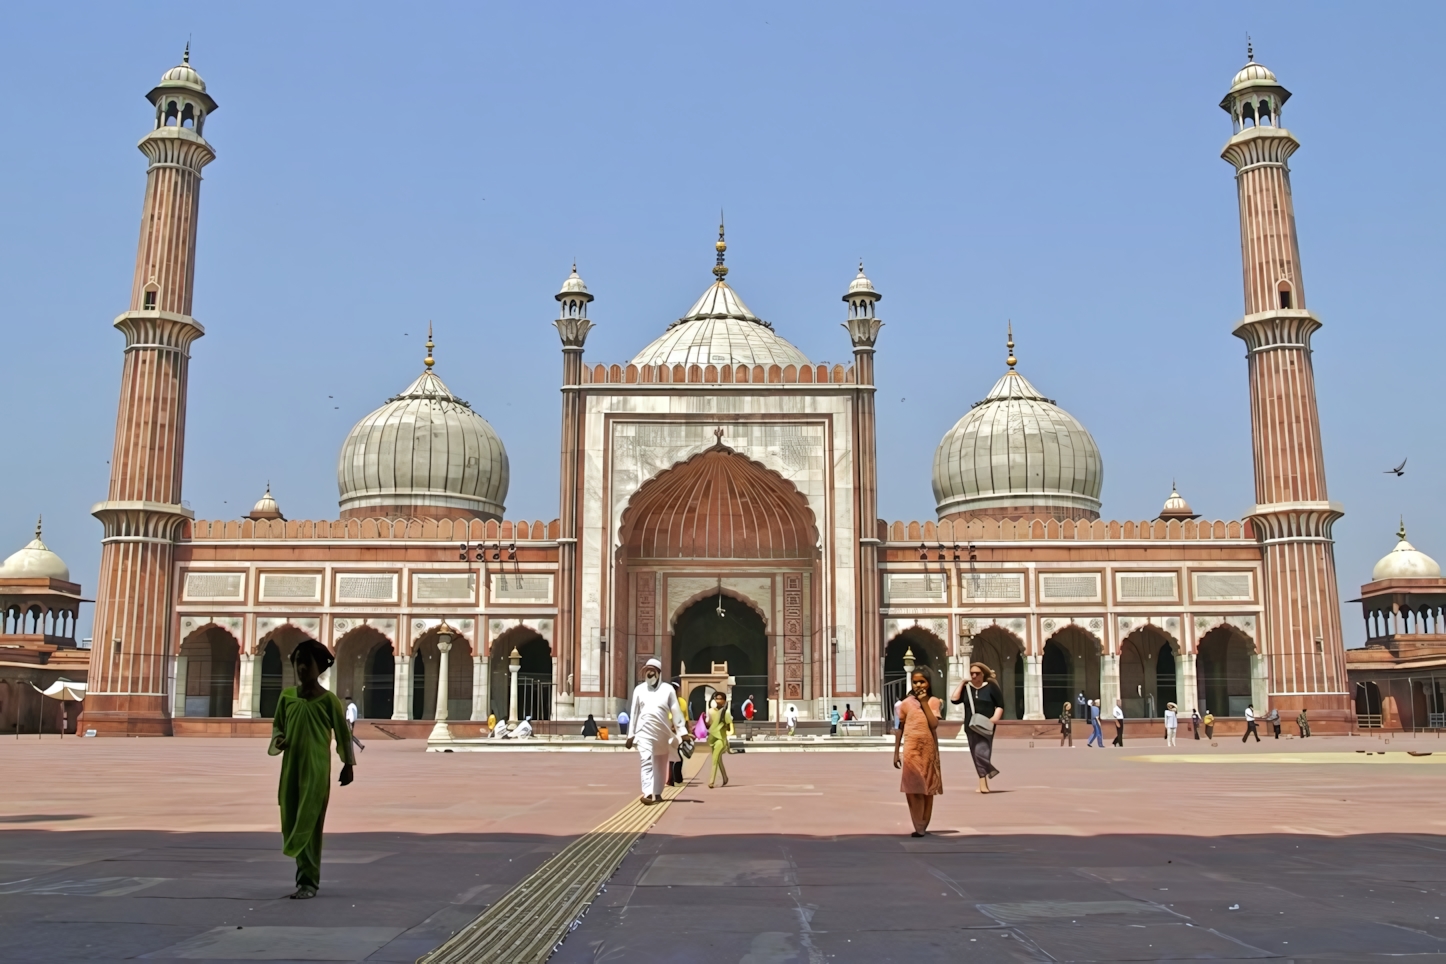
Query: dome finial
column 186, row 56
column 1249, row 49
column 1400, row 533
column 719, row 270
column 429, row 361
column 39, row 519
column 1011, row 360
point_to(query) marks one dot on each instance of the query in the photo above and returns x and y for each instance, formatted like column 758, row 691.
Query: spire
column 429, row 361
column 39, row 519
column 1011, row 361
column 186, row 57
column 1400, row 533
column 719, row 270
column 1249, row 49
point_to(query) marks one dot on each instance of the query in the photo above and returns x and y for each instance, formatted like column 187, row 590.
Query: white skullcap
column 655, row 665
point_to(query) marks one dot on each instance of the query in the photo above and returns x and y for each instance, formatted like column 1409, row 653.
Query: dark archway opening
column 378, row 688
column 1001, row 651
column 739, row 638
column 270, row 679
column 1223, row 671
column 534, row 675
column 1165, row 676
column 212, row 655
column 1071, row 666
column 929, row 651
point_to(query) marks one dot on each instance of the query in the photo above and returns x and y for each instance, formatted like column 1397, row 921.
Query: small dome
column 266, row 507
column 1253, row 73
column 1017, row 450
column 1405, row 562
column 720, row 330
column 35, row 561
column 862, row 285
column 1176, row 507
column 573, row 286
column 182, row 75
column 425, row 453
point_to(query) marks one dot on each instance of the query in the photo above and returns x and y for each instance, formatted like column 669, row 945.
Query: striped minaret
column 863, row 327
column 1292, row 517
column 143, row 515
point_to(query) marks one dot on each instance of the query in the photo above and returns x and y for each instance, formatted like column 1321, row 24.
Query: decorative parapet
column 444, row 530
column 716, row 375
column 1023, row 530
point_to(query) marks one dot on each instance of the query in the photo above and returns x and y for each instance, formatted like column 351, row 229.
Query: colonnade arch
column 365, row 672
column 1149, row 672
column 535, row 688
column 929, row 651
column 1003, row 652
column 426, row 661
column 277, row 673
column 1228, row 672
column 1070, row 665
column 738, row 636
column 206, row 668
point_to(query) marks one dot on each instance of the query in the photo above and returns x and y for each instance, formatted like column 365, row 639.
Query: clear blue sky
column 1056, row 164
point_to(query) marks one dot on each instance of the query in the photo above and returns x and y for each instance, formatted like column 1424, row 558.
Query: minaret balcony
column 1277, row 328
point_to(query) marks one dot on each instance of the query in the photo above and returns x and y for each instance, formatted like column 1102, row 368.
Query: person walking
column 719, row 727
column 1303, row 723
column 1209, row 724
column 748, row 715
column 1118, row 712
column 790, row 718
column 1097, row 735
column 1273, row 718
column 986, row 708
column 657, row 726
column 308, row 719
column 1172, row 723
column 1066, row 725
column 1251, row 728
column 833, row 719
column 1195, row 722
column 1082, row 707
column 916, row 751
column 351, row 715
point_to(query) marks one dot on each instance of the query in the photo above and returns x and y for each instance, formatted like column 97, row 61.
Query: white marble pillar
column 1033, row 688
column 1109, row 684
column 1259, row 684
column 441, row 731
column 248, row 697
column 1186, row 685
column 178, row 706
column 479, row 687
column 402, row 689
column 514, row 667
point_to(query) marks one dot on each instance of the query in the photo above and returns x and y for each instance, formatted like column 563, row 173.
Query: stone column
column 514, row 665
column 179, row 697
column 1186, row 685
column 248, row 696
column 572, row 327
column 863, row 327
column 1259, row 683
column 479, row 687
column 402, row 688
column 440, row 731
column 1033, row 688
column 1109, row 684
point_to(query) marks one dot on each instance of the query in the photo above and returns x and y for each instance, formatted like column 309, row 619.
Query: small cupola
column 1176, row 507
column 266, row 507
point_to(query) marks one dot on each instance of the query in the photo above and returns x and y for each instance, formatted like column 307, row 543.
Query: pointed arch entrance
column 720, row 522
column 1148, row 672
column 206, row 672
column 1223, row 669
column 928, row 651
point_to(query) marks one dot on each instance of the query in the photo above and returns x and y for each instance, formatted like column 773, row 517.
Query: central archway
column 739, row 638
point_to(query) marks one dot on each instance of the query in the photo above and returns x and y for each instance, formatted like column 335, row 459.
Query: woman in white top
column 1172, row 723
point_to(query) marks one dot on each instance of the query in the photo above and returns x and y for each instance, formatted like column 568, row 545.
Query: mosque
column 718, row 512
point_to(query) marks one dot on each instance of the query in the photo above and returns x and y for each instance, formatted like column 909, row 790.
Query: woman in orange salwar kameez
column 918, row 736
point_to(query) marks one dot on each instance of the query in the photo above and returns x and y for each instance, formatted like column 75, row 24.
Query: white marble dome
column 1405, row 562
column 1017, row 449
column 424, row 448
column 35, row 561
column 720, row 330
column 1253, row 73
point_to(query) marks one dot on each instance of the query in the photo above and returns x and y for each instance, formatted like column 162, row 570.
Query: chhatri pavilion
column 718, row 504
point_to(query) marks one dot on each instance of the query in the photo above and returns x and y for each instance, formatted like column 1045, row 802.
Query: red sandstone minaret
column 143, row 514
column 1292, row 516
column 863, row 327
column 572, row 326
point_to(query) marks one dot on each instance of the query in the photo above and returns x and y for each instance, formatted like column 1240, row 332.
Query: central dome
column 35, row 561
column 720, row 330
column 1017, row 455
column 425, row 455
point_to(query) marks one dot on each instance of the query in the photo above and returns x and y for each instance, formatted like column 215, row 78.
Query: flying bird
column 1398, row 470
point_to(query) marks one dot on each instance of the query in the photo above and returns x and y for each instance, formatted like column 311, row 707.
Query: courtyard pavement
column 116, row 850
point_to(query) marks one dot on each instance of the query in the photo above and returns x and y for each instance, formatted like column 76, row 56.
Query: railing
column 534, row 698
column 1368, row 721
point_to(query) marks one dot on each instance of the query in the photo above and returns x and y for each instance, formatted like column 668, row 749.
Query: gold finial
column 186, row 57
column 1249, row 49
column 1011, row 361
column 39, row 519
column 1400, row 533
column 429, row 361
column 719, row 270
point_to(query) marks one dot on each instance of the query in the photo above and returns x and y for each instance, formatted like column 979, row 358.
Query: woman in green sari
column 308, row 719
column 720, row 725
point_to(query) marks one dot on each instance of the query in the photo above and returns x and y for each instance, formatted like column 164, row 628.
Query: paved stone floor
column 1299, row 850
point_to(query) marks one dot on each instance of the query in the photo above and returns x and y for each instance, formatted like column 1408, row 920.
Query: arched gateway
column 718, row 562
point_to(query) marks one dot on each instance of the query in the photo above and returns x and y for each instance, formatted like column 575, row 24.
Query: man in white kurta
column 657, row 725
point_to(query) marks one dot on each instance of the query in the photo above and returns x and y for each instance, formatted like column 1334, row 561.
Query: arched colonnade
column 215, row 678
column 1148, row 669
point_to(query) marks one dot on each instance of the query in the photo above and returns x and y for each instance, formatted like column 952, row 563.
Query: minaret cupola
column 1255, row 97
column 180, row 98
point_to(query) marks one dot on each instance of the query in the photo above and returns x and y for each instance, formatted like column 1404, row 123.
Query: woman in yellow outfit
column 720, row 726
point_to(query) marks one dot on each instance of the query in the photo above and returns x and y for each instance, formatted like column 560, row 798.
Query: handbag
column 978, row 722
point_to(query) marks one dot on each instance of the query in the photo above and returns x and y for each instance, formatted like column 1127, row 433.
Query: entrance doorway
column 534, row 675
column 1223, row 670
column 1003, row 652
column 702, row 636
column 211, row 657
column 1147, row 673
column 929, row 651
column 1071, row 665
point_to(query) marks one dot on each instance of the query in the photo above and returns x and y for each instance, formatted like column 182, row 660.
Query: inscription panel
column 992, row 586
column 1224, row 586
column 1071, row 587
column 290, row 586
column 215, row 585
